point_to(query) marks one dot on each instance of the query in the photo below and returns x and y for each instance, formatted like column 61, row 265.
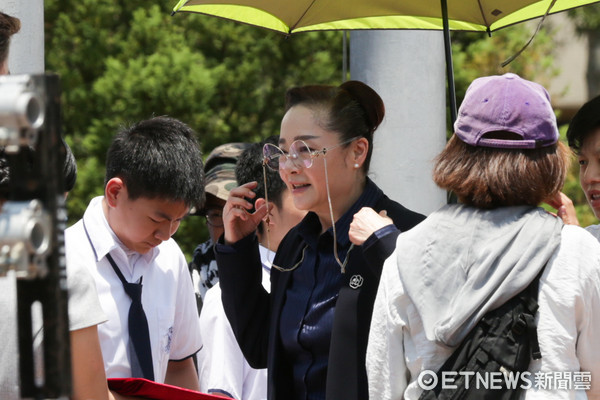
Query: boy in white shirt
column 153, row 177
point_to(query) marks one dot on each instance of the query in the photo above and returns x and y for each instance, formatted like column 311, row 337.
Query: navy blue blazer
column 254, row 313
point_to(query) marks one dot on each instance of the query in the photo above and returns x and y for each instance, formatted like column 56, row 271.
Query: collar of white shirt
column 104, row 241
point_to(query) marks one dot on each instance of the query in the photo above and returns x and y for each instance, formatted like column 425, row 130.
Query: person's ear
column 360, row 148
column 260, row 202
column 115, row 187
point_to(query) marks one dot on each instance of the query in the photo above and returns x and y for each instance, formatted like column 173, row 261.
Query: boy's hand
column 564, row 208
column 238, row 222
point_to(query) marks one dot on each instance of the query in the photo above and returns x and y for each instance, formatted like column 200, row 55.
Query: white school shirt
column 167, row 294
column 222, row 368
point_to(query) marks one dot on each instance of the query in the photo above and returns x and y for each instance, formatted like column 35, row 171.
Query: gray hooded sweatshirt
column 471, row 261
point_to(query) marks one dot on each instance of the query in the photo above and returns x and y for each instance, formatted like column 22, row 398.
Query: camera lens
column 38, row 237
column 33, row 112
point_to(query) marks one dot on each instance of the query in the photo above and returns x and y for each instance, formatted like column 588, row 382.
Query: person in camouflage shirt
column 220, row 179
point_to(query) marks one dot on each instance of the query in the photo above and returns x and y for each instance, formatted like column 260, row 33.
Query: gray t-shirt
column 84, row 311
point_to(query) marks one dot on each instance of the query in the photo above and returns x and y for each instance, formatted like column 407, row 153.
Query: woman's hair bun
column 368, row 99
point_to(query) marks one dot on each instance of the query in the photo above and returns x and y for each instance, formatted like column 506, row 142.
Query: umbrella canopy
column 295, row 16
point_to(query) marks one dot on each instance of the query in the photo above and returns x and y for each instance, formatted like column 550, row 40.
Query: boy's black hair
column 249, row 168
column 158, row 158
column 585, row 121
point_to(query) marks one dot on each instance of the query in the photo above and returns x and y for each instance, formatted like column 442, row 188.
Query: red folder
column 152, row 390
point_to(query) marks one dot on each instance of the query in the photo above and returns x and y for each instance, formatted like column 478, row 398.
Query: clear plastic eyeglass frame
column 299, row 154
column 302, row 157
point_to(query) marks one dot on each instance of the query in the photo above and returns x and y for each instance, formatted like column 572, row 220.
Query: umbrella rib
column 510, row 59
column 292, row 27
column 483, row 16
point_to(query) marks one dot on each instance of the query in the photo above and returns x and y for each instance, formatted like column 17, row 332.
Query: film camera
column 32, row 223
column 24, row 224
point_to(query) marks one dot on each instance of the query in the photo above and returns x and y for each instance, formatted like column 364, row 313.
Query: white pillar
column 407, row 69
column 26, row 54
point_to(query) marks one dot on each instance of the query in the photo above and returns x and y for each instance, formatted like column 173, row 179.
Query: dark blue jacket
column 254, row 314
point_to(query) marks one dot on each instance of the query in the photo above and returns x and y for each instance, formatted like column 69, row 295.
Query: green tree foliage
column 121, row 62
column 476, row 54
column 586, row 18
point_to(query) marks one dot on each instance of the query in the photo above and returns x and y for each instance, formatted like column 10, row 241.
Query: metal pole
column 345, row 56
column 449, row 66
column 406, row 68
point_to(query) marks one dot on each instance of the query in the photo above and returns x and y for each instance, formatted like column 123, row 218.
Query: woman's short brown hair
column 487, row 177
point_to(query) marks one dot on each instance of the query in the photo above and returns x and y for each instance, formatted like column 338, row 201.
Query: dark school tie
column 140, row 353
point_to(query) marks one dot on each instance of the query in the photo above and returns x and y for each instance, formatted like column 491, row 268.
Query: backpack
column 492, row 360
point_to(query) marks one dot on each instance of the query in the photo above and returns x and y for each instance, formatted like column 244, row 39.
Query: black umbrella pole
column 344, row 56
column 449, row 67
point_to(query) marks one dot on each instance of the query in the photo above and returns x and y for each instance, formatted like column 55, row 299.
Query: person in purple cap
column 466, row 259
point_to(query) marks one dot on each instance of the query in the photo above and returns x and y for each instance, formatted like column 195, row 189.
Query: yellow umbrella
column 293, row 16
column 313, row 15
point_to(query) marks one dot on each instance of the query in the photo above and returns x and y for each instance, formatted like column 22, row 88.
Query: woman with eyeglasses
column 311, row 331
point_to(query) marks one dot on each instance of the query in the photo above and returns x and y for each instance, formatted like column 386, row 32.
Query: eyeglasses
column 214, row 217
column 300, row 154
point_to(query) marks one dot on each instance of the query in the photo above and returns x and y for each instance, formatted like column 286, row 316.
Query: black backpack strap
column 529, row 297
column 504, row 340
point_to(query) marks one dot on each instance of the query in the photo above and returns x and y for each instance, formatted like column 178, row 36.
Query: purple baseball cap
column 506, row 103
